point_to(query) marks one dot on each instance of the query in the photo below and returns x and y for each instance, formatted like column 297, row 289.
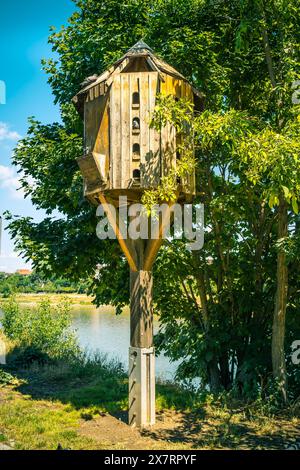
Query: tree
column 216, row 306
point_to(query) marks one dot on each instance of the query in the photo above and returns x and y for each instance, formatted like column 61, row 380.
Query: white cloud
column 10, row 181
column 7, row 134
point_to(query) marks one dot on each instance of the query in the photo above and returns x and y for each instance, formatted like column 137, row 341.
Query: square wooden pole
column 141, row 351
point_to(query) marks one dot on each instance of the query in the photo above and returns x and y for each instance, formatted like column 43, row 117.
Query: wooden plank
column 125, row 131
column 165, row 134
column 116, row 133
column 141, row 310
column 135, row 135
column 101, row 146
column 154, row 135
column 134, row 111
column 93, row 121
column 144, row 119
column 114, row 72
column 157, row 238
column 119, row 229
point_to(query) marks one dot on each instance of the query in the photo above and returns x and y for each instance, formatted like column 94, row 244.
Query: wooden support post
column 119, row 229
column 141, row 255
column 157, row 237
column 141, row 312
column 141, row 352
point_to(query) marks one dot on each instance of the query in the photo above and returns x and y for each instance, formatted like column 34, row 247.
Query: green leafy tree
column 217, row 306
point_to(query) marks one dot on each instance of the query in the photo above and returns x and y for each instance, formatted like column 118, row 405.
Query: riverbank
column 34, row 299
column 53, row 394
column 84, row 406
column 74, row 300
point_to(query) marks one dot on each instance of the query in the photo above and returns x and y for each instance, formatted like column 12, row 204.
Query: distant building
column 24, row 272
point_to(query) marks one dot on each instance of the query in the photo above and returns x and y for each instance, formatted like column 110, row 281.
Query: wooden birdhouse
column 123, row 154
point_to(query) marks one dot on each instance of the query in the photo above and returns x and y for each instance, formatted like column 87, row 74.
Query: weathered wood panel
column 144, row 117
column 141, row 309
column 125, row 162
column 150, row 162
column 170, row 141
column 102, row 143
column 115, row 129
column 135, row 112
column 124, row 135
column 92, row 120
column 144, row 149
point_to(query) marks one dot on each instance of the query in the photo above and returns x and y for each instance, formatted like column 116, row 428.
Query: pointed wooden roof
column 139, row 50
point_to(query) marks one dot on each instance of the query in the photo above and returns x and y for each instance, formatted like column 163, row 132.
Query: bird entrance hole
column 136, row 100
column 136, row 125
column 136, row 152
column 136, row 175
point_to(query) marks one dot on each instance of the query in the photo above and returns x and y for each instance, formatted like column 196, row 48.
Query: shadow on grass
column 95, row 385
column 91, row 384
column 212, row 427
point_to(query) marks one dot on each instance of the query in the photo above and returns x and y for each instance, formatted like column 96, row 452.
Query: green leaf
column 286, row 192
column 295, row 205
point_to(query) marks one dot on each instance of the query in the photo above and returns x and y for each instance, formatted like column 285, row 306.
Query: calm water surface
column 102, row 330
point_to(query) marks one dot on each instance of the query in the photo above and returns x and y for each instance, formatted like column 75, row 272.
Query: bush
column 6, row 378
column 41, row 332
column 7, row 291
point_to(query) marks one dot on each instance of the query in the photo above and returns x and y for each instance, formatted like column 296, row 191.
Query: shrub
column 41, row 332
column 7, row 379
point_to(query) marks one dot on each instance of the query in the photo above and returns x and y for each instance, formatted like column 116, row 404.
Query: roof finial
column 139, row 47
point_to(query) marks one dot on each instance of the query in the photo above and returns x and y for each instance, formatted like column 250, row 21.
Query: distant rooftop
column 24, row 272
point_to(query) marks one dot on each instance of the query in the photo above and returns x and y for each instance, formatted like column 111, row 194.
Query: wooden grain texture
column 141, row 310
column 150, row 138
column 135, row 138
column 110, row 135
column 157, row 236
column 144, row 119
column 127, row 245
column 102, row 143
column 125, row 160
column 115, row 129
column 93, row 120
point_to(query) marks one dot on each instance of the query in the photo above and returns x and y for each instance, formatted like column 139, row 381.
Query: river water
column 104, row 331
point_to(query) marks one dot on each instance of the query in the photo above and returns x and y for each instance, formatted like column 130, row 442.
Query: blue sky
column 24, row 30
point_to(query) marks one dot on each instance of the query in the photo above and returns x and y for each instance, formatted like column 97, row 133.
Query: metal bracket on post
column 141, row 387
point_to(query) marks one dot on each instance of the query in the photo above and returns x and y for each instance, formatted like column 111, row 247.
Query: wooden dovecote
column 123, row 154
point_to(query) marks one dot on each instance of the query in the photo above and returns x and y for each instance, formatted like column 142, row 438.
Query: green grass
column 40, row 424
column 46, row 406
column 42, row 406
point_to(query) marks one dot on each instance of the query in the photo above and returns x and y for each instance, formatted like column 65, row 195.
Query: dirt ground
column 175, row 430
column 35, row 413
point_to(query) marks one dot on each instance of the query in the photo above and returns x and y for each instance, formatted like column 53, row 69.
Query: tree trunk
column 214, row 376
column 212, row 367
column 278, row 336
